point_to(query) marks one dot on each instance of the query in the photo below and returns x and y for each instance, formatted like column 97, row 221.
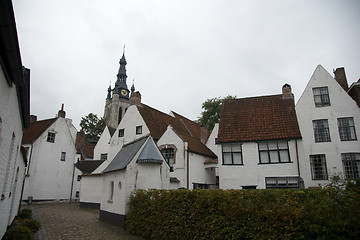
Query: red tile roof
column 36, row 129
column 192, row 126
column 258, row 118
column 157, row 123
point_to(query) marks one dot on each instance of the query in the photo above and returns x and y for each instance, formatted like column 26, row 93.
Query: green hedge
column 245, row 214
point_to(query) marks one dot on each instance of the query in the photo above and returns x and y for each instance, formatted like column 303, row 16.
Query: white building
column 14, row 116
column 258, row 142
column 329, row 121
column 51, row 156
column 138, row 165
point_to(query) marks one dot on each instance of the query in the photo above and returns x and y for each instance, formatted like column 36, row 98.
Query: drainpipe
column 187, row 167
column 297, row 157
column 23, row 183
column 72, row 183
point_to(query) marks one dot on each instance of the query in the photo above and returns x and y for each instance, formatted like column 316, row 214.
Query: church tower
column 117, row 100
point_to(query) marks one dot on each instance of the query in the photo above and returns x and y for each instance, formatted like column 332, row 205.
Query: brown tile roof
column 157, row 123
column 36, row 129
column 192, row 126
column 258, row 118
column 83, row 147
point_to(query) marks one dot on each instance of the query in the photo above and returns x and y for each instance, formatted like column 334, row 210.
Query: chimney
column 33, row 118
column 61, row 113
column 340, row 77
column 204, row 134
column 286, row 92
column 135, row 98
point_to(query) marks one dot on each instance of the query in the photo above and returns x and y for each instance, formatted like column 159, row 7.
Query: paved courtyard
column 66, row 221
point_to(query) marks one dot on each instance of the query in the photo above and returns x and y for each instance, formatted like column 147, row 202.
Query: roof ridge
column 264, row 96
column 136, row 140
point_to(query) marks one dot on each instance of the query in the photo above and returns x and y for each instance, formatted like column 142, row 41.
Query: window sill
column 348, row 140
column 274, row 163
column 233, row 164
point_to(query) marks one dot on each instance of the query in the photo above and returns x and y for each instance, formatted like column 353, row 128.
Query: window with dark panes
column 321, row 130
column 321, row 96
column 318, row 167
column 274, row 152
column 232, row 154
column 346, row 129
column 51, row 137
column 351, row 165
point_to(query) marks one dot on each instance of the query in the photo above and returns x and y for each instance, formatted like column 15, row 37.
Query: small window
column 139, row 130
column 77, row 194
column 232, row 154
column 318, row 167
column 321, row 130
column 111, row 192
column 321, row 96
column 63, row 156
column 346, row 129
column 121, row 132
column 103, row 156
column 351, row 165
column 273, row 152
column 78, row 178
column 51, row 137
column 120, row 115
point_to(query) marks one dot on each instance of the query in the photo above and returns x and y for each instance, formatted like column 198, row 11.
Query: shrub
column 19, row 232
column 25, row 213
column 331, row 213
column 32, row 224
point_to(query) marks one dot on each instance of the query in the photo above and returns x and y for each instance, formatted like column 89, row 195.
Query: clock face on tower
column 123, row 92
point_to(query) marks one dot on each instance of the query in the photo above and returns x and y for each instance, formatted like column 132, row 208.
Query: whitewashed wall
column 342, row 105
column 134, row 176
column 10, row 158
column 253, row 173
column 102, row 146
column 91, row 190
column 131, row 119
column 48, row 177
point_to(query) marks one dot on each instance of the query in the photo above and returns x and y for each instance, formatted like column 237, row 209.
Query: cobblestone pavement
column 67, row 221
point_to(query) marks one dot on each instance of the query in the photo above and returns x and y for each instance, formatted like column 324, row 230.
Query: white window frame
column 274, row 152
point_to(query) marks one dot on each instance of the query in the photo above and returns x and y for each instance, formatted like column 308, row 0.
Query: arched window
column 120, row 115
column 111, row 192
column 168, row 154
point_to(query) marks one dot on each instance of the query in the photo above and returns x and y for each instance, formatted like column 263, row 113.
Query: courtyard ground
column 67, row 221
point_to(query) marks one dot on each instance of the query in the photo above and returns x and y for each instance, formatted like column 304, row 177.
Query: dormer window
column 139, row 130
column 51, row 137
column 321, row 96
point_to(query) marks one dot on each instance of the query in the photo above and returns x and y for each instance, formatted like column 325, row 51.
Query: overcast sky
column 180, row 53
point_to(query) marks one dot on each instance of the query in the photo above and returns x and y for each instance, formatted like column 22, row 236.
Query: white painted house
column 138, row 165
column 329, row 121
column 258, row 141
column 14, row 116
column 51, row 156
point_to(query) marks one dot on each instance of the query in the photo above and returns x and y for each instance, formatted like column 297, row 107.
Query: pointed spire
column 133, row 87
column 121, row 76
column 109, row 92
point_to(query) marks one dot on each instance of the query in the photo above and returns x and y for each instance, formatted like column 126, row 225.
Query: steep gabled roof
column 125, row 155
column 196, row 146
column 88, row 166
column 258, row 118
column 36, row 129
column 192, row 126
column 157, row 123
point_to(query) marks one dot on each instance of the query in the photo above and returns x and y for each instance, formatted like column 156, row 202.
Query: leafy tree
column 92, row 126
column 211, row 111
